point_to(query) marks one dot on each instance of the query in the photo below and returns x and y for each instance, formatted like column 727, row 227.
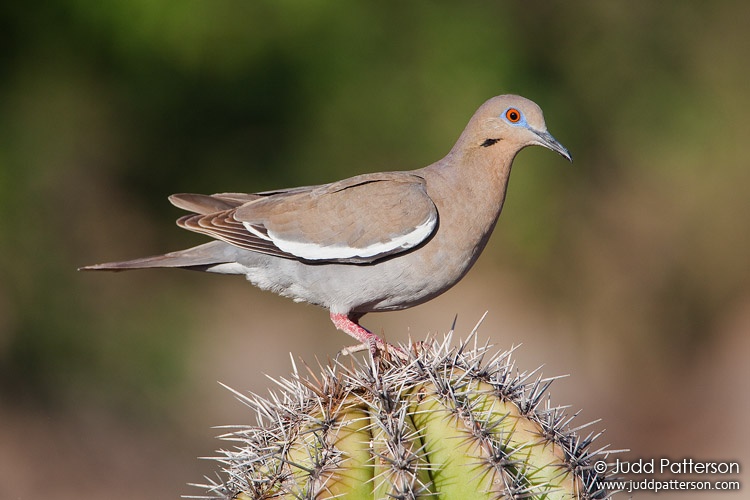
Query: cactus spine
column 441, row 425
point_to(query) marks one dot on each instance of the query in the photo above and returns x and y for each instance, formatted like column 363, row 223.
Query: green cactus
column 441, row 424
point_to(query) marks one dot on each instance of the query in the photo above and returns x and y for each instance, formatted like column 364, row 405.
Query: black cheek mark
column 489, row 142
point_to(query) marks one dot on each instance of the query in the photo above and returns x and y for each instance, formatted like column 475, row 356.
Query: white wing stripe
column 257, row 233
column 314, row 251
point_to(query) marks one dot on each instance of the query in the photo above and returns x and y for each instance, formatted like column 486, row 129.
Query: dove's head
column 511, row 122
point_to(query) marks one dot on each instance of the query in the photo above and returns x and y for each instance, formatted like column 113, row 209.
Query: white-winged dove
column 374, row 242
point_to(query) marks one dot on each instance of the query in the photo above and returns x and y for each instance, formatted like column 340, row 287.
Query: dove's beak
column 549, row 142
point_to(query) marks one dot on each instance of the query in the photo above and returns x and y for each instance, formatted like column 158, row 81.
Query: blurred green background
column 629, row 270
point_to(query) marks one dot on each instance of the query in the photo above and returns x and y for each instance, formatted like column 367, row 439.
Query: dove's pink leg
column 349, row 323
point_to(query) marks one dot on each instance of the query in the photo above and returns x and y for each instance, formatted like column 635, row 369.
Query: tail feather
column 199, row 257
column 210, row 203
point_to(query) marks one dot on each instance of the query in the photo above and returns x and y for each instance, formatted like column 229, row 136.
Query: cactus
column 441, row 424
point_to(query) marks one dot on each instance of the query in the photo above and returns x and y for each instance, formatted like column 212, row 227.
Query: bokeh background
column 629, row 270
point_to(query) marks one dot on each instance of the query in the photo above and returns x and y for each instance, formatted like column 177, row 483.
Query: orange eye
column 513, row 115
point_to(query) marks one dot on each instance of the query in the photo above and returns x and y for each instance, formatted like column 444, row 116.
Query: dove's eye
column 513, row 115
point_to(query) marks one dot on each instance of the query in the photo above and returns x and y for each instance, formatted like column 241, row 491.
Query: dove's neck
column 477, row 174
column 468, row 187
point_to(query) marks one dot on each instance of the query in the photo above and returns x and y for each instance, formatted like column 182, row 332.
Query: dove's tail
column 199, row 258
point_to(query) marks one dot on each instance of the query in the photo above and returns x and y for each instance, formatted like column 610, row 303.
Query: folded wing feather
column 358, row 220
